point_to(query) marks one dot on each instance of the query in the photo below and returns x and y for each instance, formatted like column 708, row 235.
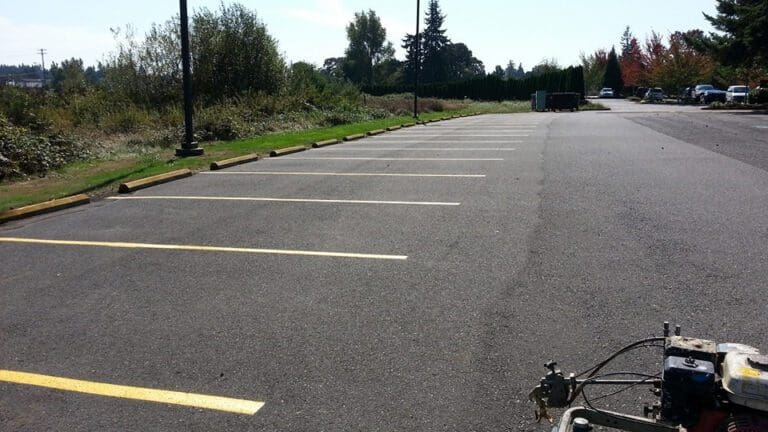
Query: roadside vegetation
column 93, row 127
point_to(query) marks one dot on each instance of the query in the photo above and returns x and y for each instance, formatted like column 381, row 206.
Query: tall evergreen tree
column 510, row 71
column 744, row 24
column 626, row 42
column 612, row 77
column 434, row 41
column 409, row 66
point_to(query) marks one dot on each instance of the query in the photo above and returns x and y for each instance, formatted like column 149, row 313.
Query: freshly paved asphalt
column 593, row 230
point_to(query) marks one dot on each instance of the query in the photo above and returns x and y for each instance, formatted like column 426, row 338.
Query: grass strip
column 102, row 177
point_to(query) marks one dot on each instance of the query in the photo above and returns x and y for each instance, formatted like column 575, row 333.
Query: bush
column 128, row 119
column 23, row 152
column 759, row 96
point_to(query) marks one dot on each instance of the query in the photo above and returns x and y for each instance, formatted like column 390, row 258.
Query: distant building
column 27, row 83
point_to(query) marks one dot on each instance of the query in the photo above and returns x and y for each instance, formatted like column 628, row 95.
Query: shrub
column 25, row 152
column 759, row 96
column 128, row 119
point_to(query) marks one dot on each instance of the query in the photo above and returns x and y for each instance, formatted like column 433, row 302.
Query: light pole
column 417, row 63
column 189, row 147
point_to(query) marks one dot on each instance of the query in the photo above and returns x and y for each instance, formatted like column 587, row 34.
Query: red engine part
column 745, row 423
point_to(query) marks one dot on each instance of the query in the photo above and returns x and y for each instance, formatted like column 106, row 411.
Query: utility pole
column 189, row 146
column 417, row 62
column 42, row 52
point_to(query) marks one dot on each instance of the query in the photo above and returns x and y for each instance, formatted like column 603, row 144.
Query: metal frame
column 613, row 420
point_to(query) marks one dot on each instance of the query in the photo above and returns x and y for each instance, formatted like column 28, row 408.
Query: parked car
column 655, row 94
column 707, row 93
column 641, row 92
column 737, row 93
column 606, row 93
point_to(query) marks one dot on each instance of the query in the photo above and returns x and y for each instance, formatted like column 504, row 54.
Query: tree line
column 738, row 54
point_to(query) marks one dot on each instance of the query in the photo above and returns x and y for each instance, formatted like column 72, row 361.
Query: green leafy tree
column 367, row 48
column 594, row 70
column 460, row 63
column 499, row 73
column 232, row 54
column 334, row 66
column 680, row 65
column 433, row 44
column 612, row 78
column 546, row 66
column 388, row 72
column 69, row 77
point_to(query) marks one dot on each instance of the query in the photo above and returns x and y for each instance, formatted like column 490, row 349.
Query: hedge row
column 492, row 88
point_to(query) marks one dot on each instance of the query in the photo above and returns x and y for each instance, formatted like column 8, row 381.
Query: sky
column 524, row 31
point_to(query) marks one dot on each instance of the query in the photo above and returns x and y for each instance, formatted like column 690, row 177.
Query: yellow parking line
column 200, row 248
column 217, row 403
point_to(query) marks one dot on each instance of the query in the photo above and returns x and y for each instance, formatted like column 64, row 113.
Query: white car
column 606, row 93
column 737, row 94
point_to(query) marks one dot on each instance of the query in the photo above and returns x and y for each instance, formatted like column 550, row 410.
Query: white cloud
column 19, row 43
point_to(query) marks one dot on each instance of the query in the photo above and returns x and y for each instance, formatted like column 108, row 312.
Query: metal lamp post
column 417, row 62
column 189, row 147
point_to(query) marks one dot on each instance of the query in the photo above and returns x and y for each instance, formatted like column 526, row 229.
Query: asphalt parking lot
column 412, row 281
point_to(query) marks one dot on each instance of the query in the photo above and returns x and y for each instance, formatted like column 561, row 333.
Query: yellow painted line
column 217, row 403
column 120, row 245
column 341, row 174
column 287, row 200
column 398, row 159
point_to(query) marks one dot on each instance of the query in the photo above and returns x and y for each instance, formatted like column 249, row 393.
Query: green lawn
column 101, row 177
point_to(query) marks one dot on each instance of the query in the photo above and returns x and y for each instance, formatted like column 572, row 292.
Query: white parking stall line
column 442, row 141
column 410, row 135
column 391, row 159
column 283, row 200
column 405, row 149
column 339, row 174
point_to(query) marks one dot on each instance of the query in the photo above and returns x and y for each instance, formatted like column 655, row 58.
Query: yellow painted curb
column 394, row 128
column 234, row 161
column 325, row 143
column 286, row 151
column 375, row 132
column 354, row 137
column 154, row 180
column 46, row 207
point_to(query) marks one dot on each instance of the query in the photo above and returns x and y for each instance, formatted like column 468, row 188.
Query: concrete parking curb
column 234, row 161
column 286, row 151
column 325, row 143
column 46, row 207
column 154, row 180
column 375, row 132
column 407, row 125
column 394, row 128
column 354, row 137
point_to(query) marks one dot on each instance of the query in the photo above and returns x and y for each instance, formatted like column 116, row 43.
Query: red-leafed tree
column 633, row 69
